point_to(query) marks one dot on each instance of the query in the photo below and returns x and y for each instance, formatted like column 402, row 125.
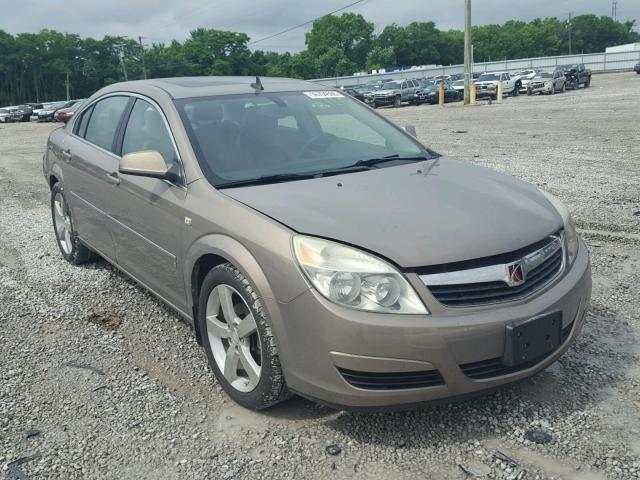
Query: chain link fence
column 596, row 62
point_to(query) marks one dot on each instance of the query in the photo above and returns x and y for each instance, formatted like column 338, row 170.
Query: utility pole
column 467, row 52
column 67, row 84
column 614, row 10
column 144, row 66
column 124, row 67
column 570, row 13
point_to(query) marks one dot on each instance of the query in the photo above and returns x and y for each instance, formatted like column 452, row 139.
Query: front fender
column 235, row 253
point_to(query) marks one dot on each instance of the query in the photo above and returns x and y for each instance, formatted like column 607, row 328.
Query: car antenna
column 257, row 85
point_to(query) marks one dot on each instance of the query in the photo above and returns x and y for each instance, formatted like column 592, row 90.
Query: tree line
column 38, row 66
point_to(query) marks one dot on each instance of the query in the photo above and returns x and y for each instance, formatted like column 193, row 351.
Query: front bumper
column 486, row 90
column 319, row 337
column 382, row 101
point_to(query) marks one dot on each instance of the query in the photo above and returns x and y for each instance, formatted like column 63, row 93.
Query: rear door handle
column 66, row 154
column 113, row 178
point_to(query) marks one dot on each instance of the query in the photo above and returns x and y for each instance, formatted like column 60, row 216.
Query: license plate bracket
column 532, row 339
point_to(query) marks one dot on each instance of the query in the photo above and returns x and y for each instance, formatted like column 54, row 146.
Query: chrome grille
column 491, row 283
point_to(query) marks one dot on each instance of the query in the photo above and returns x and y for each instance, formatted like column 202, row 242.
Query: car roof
column 189, row 87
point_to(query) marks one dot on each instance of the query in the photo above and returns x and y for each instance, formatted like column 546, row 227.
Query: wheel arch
column 213, row 250
column 54, row 175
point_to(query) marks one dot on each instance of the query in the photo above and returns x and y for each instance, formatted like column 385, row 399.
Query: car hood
column 385, row 92
column 417, row 214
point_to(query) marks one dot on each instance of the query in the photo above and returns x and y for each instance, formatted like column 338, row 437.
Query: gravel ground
column 99, row 380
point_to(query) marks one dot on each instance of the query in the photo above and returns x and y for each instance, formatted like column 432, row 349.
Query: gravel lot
column 99, row 380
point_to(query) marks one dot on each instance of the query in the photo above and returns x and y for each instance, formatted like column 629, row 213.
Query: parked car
column 5, row 115
column 576, row 75
column 547, row 82
column 64, row 114
column 525, row 76
column 458, row 85
column 355, row 93
column 431, row 93
column 22, row 113
column 487, row 85
column 36, row 109
column 48, row 114
column 637, row 68
column 288, row 224
column 394, row 93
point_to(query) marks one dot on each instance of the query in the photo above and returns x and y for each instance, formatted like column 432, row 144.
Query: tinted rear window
column 104, row 121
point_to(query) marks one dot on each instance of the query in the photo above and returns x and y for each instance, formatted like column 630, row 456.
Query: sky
column 164, row 20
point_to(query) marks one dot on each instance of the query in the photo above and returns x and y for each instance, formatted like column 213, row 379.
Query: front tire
column 237, row 337
column 71, row 248
column 397, row 101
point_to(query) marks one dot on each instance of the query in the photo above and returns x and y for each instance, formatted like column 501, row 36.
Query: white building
column 628, row 47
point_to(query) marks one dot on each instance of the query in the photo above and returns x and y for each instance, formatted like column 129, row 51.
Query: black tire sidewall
column 79, row 253
column 270, row 386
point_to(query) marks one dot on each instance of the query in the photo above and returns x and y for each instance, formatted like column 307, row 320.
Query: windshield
column 2, row 110
column 245, row 137
column 390, row 86
column 458, row 83
column 488, row 77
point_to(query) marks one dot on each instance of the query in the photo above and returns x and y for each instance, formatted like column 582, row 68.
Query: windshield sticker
column 324, row 94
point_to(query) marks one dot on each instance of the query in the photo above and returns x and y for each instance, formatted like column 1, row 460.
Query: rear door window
column 104, row 121
column 81, row 125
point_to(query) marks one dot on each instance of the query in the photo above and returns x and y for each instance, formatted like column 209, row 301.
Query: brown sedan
column 315, row 247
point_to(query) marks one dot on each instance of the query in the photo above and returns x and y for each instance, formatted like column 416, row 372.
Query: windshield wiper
column 287, row 177
column 279, row 177
column 389, row 158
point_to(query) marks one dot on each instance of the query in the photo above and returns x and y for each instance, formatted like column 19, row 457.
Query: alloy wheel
column 234, row 338
column 62, row 223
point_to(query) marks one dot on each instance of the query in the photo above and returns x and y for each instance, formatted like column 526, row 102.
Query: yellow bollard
column 472, row 94
column 441, row 100
column 499, row 98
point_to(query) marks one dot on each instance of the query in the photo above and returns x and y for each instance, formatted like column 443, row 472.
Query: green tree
column 349, row 33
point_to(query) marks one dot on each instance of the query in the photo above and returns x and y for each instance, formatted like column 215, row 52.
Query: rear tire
column 236, row 328
column 64, row 226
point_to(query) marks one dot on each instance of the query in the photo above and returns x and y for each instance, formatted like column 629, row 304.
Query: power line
column 303, row 24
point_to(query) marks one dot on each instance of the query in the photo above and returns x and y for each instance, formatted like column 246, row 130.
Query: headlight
column 548, row 84
column 571, row 237
column 355, row 279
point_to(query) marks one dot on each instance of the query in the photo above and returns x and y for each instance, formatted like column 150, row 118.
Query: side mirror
column 411, row 130
column 145, row 164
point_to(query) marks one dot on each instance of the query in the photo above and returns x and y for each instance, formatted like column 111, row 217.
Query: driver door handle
column 66, row 154
column 113, row 178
